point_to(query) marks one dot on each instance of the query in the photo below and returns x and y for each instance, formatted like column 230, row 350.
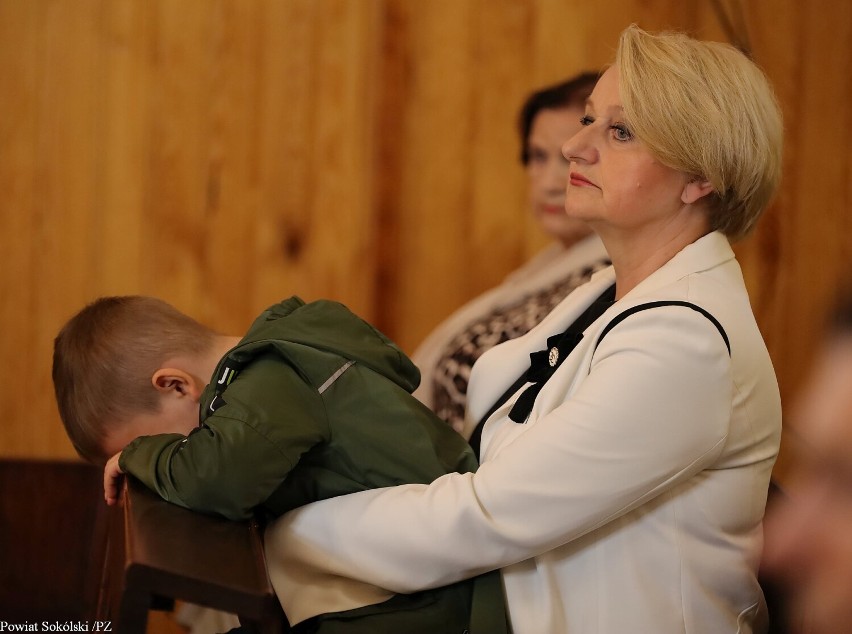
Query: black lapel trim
column 635, row 309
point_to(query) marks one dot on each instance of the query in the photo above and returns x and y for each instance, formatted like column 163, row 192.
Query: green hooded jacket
column 312, row 403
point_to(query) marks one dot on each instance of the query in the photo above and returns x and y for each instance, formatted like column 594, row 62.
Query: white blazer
column 630, row 501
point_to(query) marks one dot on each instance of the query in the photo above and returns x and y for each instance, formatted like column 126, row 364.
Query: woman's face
column 614, row 182
column 547, row 172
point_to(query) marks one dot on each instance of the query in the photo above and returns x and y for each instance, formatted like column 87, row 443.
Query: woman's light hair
column 704, row 108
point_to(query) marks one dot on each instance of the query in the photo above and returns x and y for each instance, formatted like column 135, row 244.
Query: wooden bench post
column 158, row 552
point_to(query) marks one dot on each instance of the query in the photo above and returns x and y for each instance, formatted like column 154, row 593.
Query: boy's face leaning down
column 180, row 393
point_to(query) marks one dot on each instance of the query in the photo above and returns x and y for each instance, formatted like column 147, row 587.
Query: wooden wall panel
column 122, row 114
column 313, row 231
column 455, row 79
column 19, row 22
column 222, row 154
column 52, row 208
column 216, row 153
column 801, row 251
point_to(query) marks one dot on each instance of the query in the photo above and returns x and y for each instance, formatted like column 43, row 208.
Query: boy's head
column 114, row 365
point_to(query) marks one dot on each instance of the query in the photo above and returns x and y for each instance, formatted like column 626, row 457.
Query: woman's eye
column 537, row 156
column 620, row 132
column 586, row 120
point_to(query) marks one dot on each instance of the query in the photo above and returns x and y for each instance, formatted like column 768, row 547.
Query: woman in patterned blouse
column 548, row 118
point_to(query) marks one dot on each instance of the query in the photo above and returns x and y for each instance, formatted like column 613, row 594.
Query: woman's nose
column 577, row 148
column 555, row 173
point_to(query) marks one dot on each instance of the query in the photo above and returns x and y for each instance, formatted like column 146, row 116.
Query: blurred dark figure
column 809, row 528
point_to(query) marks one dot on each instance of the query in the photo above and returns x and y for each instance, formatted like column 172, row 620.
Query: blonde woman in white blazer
column 623, row 483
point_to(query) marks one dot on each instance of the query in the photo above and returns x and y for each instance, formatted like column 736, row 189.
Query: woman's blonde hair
column 706, row 109
column 103, row 360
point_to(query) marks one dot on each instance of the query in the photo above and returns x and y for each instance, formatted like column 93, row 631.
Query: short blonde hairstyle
column 706, row 109
column 104, row 358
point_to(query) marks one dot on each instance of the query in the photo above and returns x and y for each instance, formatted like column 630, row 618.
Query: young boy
column 311, row 403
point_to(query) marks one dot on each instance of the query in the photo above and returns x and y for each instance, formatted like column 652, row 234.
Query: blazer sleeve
column 653, row 411
column 241, row 453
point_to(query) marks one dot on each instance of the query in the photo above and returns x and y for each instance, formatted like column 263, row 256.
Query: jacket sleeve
column 242, row 452
column 647, row 418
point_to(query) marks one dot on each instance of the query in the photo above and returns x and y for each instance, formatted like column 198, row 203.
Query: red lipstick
column 577, row 180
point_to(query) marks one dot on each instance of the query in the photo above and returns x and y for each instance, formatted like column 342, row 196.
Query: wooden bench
column 158, row 552
column 52, row 531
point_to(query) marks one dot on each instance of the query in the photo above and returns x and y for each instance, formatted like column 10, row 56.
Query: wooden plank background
column 223, row 154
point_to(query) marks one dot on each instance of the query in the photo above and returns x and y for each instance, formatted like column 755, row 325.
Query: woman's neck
column 635, row 257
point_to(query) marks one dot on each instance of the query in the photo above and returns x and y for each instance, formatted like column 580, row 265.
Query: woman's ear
column 176, row 382
column 696, row 189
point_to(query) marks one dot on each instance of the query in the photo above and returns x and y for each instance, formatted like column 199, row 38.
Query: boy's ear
column 175, row 382
column 696, row 189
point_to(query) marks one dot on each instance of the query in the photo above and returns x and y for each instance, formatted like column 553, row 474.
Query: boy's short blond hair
column 706, row 109
column 104, row 358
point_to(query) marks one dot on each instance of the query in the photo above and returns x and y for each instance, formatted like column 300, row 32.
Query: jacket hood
column 329, row 326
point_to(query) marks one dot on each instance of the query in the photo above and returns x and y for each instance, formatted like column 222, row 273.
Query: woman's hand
column 112, row 475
